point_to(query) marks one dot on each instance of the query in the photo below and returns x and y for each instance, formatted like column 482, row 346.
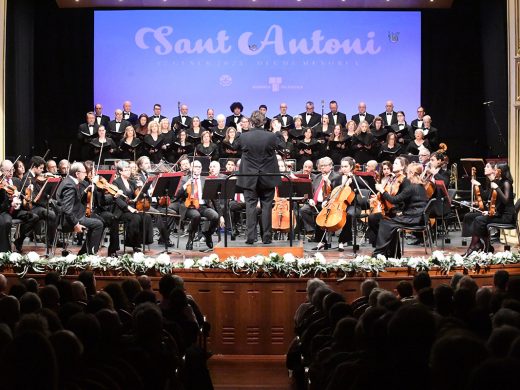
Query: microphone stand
column 499, row 131
column 355, row 246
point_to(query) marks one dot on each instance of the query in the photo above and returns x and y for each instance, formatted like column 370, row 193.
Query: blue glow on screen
column 211, row 58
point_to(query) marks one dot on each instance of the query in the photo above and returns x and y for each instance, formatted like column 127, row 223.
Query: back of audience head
column 483, row 298
column 131, row 288
column 506, row 316
column 500, row 280
column 86, row 327
column 101, row 300
column 144, row 296
column 9, row 310
column 463, row 301
column 319, row 294
column 17, row 290
column 425, row 297
column 443, row 297
column 312, row 285
column 330, row 299
column 338, row 311
column 344, row 334
column 50, row 297
column 469, row 283
column 3, row 284
column 388, row 300
column 421, row 280
column 118, row 296
column 455, row 280
column 147, row 322
column 501, row 340
column 513, row 288
column 145, row 282
column 367, row 286
column 31, row 284
column 51, row 278
column 495, row 374
column 89, row 281
column 30, row 303
column 33, row 322
column 79, row 292
column 372, row 298
column 68, row 350
column 404, row 289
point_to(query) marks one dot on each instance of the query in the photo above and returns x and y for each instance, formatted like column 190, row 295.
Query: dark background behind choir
column 49, row 80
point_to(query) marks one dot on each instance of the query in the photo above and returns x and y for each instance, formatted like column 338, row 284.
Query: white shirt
column 320, row 193
column 419, row 123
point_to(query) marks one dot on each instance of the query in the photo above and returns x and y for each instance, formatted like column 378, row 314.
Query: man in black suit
column 363, row 115
column 86, row 132
column 417, row 123
column 116, row 128
column 285, row 119
column 101, row 119
column 72, row 210
column 210, row 121
column 128, row 115
column 259, row 156
column 389, row 116
column 232, row 120
column 430, row 132
column 403, row 131
column 336, row 117
column 182, row 121
column 156, row 116
column 263, row 110
column 196, row 183
column 309, row 117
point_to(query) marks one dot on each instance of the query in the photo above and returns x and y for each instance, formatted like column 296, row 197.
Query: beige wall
column 514, row 89
column 3, row 8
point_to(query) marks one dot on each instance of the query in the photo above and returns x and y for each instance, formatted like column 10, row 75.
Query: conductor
column 259, row 156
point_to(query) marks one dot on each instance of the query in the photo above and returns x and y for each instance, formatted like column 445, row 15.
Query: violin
column 90, row 202
column 427, row 183
column 11, row 190
column 164, row 201
column 392, row 187
column 281, row 214
column 476, row 190
column 494, row 195
column 28, row 198
column 142, row 204
column 192, row 201
column 112, row 189
column 333, row 216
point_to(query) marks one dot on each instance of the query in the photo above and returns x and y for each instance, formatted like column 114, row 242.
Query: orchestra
column 397, row 164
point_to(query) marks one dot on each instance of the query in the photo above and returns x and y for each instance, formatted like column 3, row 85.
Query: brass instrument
column 454, row 176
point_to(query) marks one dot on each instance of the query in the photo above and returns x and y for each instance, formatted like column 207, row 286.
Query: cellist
column 393, row 181
column 322, row 185
column 502, row 201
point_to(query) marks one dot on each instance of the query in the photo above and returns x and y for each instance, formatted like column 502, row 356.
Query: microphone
column 488, row 103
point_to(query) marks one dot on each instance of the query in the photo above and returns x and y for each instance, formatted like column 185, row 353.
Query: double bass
column 333, row 216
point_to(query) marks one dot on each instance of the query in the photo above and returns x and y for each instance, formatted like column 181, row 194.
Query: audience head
column 500, row 280
column 367, row 286
column 421, row 280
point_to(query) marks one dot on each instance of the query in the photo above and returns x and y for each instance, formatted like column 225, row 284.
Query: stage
column 250, row 301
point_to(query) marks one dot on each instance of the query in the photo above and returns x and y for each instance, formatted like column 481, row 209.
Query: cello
column 333, row 216
column 281, row 214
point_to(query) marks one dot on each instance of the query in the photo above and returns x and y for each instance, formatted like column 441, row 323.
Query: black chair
column 423, row 228
column 505, row 226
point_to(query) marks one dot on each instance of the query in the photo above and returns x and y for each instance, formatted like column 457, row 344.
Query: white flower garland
column 282, row 265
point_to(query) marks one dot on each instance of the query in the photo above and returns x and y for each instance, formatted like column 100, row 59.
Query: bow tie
column 98, row 116
column 362, row 114
column 284, row 116
column 183, row 117
column 118, row 122
column 389, row 113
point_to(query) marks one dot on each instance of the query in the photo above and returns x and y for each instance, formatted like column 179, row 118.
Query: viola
column 392, row 187
column 11, row 190
column 103, row 184
column 28, row 198
column 494, row 196
column 476, row 190
column 281, row 214
column 333, row 216
column 142, row 204
column 192, row 201
column 90, row 202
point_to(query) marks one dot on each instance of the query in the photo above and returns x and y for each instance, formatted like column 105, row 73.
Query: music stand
column 301, row 190
column 108, row 174
column 369, row 180
column 48, row 189
column 166, row 184
column 204, row 161
column 468, row 163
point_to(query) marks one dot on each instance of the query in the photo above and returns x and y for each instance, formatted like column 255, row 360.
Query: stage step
column 240, row 248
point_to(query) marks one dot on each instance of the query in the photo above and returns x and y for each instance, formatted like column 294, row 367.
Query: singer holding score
column 259, row 156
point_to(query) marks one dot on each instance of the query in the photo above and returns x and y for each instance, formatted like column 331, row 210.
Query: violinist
column 10, row 207
column 30, row 188
column 153, row 142
column 192, row 187
column 104, row 145
column 322, row 185
column 394, row 181
column 181, row 146
column 363, row 143
column 337, row 144
column 130, row 146
column 19, row 169
column 101, row 205
column 206, row 147
column 413, row 197
column 51, row 167
column 229, row 146
column 501, row 202
column 307, row 148
column 70, row 200
column 126, row 209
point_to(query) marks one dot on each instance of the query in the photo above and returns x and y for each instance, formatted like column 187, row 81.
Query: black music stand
column 301, row 190
column 47, row 192
column 166, row 184
column 141, row 195
column 469, row 163
column 204, row 161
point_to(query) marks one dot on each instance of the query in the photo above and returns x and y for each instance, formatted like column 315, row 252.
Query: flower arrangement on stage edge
column 273, row 265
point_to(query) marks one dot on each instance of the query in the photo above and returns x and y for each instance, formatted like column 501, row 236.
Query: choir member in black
column 243, row 125
column 418, row 143
column 195, row 132
column 322, row 185
column 337, row 145
column 417, row 123
column 402, row 129
column 229, row 147
column 349, row 137
column 363, row 144
column 501, row 187
column 236, row 108
column 102, row 144
column 86, row 132
column 101, row 206
column 322, row 134
column 206, row 147
column 307, row 148
column 168, row 140
column 288, row 146
column 153, row 142
column 296, row 133
column 263, row 109
column 101, row 119
column 141, row 128
column 286, row 120
column 393, row 178
column 195, row 183
column 390, row 149
column 32, row 182
column 379, row 131
column 219, row 131
column 71, row 202
column 128, row 115
column 156, row 116
column 431, row 134
column 181, row 146
column 14, row 210
column 130, row 145
column 210, row 121
column 414, row 199
column 116, row 128
column 126, row 210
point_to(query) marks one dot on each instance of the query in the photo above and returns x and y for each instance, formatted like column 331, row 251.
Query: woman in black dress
column 168, row 136
column 206, row 147
column 501, row 190
column 414, row 198
column 363, row 143
column 141, row 128
column 296, row 134
column 219, row 131
column 229, row 147
column 379, row 131
column 350, row 127
column 153, row 143
column 126, row 211
column 390, row 149
column 181, row 146
column 195, row 132
column 104, row 144
column 307, row 149
column 418, row 143
column 130, row 145
column 337, row 145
